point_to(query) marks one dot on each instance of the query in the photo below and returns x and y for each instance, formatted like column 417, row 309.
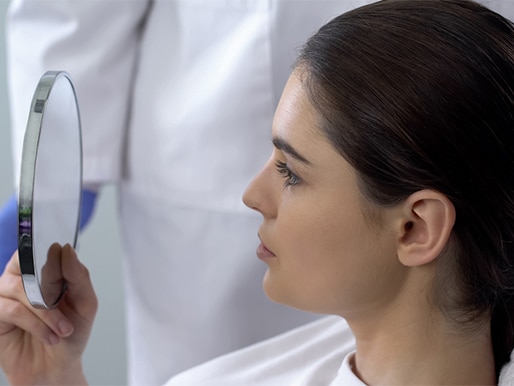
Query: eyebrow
column 286, row 147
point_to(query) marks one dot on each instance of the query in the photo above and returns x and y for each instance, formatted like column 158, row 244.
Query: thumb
column 80, row 294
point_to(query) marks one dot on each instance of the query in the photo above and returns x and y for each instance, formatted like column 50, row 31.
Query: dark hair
column 419, row 94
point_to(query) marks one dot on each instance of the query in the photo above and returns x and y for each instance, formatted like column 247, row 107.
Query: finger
column 11, row 292
column 79, row 286
column 15, row 314
column 51, row 271
column 13, row 266
column 52, row 282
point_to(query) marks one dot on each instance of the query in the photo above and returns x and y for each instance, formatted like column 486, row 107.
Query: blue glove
column 88, row 206
column 8, row 231
column 9, row 224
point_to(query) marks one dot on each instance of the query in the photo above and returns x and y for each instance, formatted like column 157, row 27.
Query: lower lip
column 263, row 253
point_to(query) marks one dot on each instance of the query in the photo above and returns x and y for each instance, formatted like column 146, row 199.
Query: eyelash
column 290, row 179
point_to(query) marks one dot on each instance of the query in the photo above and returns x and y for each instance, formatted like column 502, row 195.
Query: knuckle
column 12, row 284
column 12, row 309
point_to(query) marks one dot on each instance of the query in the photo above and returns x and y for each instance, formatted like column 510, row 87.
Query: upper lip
column 263, row 243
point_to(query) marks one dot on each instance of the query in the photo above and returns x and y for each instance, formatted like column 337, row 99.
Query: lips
column 264, row 253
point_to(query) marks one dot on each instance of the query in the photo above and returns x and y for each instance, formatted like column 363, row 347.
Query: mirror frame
column 26, row 252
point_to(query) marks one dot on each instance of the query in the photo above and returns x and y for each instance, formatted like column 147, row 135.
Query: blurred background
column 98, row 247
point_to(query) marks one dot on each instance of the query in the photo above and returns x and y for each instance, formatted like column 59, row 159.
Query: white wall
column 99, row 248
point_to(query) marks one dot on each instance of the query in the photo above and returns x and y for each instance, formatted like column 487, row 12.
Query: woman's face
column 323, row 254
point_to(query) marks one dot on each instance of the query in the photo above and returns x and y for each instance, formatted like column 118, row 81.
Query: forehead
column 297, row 127
column 295, row 116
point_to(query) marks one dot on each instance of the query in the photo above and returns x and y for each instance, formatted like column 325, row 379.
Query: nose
column 259, row 193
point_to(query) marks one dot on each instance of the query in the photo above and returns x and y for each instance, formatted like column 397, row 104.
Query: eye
column 290, row 178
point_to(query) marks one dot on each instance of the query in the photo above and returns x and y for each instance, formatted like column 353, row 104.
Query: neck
column 402, row 348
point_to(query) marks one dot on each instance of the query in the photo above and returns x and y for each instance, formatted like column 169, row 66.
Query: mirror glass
column 49, row 197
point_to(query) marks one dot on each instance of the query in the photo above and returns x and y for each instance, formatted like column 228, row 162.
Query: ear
column 427, row 220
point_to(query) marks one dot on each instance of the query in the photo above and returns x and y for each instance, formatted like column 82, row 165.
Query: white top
column 315, row 354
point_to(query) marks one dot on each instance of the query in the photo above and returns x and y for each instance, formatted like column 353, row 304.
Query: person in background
column 176, row 98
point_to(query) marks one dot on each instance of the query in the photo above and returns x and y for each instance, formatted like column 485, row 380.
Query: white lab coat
column 176, row 100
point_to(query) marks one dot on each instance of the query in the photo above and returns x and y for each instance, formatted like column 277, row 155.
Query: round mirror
column 50, row 187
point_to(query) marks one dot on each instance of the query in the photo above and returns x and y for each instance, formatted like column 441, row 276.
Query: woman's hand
column 45, row 346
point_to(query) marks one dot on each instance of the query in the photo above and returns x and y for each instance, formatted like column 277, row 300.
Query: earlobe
column 425, row 227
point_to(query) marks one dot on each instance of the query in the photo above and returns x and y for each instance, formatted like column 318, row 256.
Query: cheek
column 320, row 256
column 330, row 261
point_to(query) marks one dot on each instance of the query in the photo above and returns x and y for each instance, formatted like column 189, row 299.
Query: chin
column 272, row 289
column 279, row 293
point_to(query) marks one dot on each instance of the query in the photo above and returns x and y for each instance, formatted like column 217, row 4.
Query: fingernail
column 65, row 328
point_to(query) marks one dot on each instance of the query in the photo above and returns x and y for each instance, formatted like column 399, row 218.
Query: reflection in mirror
column 50, row 188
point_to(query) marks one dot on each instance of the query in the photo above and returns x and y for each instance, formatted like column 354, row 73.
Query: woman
column 387, row 201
